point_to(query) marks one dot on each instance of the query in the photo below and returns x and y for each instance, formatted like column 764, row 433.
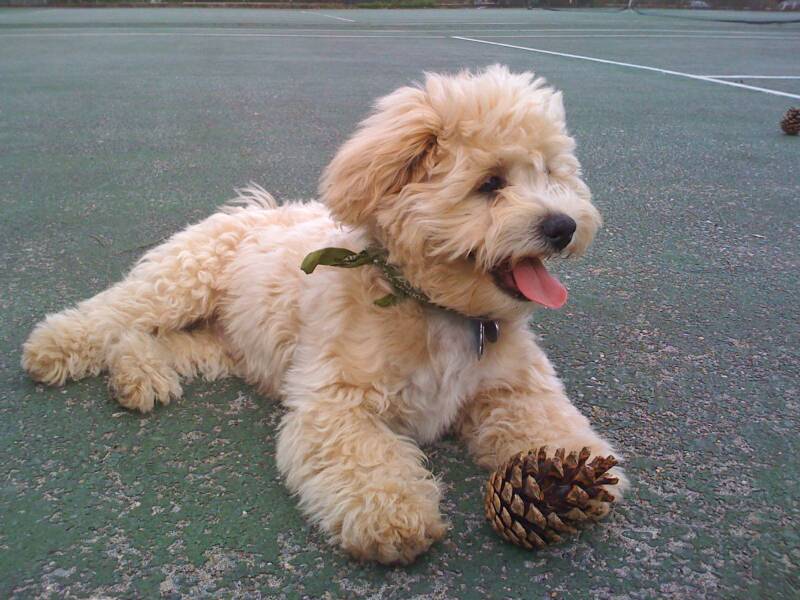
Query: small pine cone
column 791, row 122
column 533, row 499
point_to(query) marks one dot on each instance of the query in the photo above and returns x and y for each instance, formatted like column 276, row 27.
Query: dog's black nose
column 558, row 229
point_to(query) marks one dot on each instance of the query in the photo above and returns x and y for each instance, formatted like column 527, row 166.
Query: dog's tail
column 252, row 196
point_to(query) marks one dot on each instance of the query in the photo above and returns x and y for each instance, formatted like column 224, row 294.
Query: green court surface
column 681, row 340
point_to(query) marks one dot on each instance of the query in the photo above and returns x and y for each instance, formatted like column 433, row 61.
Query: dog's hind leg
column 199, row 352
column 145, row 369
column 173, row 285
column 140, row 372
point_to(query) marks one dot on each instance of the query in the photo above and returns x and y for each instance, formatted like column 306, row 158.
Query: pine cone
column 532, row 499
column 791, row 122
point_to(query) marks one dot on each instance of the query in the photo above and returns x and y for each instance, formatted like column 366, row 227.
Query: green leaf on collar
column 335, row 257
column 387, row 300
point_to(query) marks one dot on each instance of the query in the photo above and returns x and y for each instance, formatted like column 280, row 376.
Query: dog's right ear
column 391, row 148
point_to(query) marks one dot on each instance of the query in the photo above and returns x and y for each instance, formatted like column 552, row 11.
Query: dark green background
column 680, row 341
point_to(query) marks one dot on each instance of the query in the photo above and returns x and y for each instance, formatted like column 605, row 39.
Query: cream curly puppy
column 464, row 185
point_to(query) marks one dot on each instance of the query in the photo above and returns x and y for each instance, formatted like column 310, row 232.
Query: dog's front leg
column 498, row 424
column 362, row 483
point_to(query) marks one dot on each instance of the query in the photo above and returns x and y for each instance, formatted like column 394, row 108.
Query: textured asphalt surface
column 680, row 341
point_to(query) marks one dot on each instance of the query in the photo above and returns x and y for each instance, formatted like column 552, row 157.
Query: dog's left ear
column 393, row 147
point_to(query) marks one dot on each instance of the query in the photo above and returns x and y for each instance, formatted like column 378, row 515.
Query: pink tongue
column 538, row 285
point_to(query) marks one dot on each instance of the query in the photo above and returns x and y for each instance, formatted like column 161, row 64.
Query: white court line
column 308, row 12
column 753, row 76
column 648, row 36
column 633, row 30
column 633, row 66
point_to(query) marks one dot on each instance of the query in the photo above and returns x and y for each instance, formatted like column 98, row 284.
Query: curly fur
column 364, row 385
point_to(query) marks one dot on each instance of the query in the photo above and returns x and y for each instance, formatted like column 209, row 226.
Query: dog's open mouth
column 528, row 280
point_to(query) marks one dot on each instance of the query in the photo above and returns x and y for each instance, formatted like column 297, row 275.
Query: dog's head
column 470, row 182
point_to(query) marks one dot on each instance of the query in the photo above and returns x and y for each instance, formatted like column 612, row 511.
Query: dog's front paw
column 393, row 526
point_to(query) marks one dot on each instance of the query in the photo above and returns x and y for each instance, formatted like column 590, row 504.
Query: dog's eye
column 492, row 184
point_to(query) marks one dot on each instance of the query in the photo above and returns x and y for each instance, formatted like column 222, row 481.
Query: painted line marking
column 635, row 30
column 753, row 76
column 310, row 12
column 632, row 66
column 647, row 36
